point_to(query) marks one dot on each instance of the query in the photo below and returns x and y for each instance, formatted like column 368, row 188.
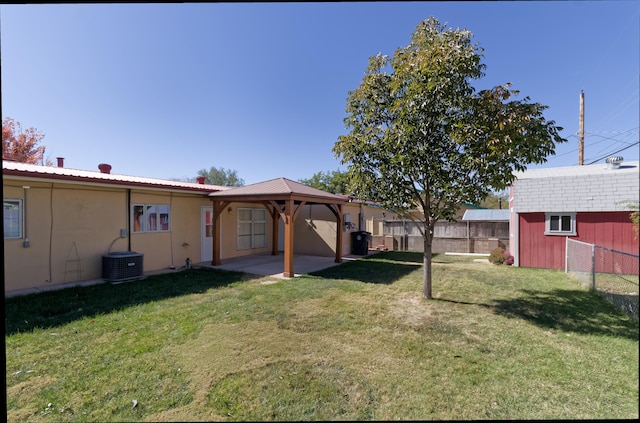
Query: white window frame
column 161, row 222
column 561, row 218
column 20, row 216
column 257, row 239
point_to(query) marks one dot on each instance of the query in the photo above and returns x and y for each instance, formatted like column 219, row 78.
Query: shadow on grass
column 55, row 308
column 397, row 256
column 380, row 268
column 567, row 310
column 410, row 257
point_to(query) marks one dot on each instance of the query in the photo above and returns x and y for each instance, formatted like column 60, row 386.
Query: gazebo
column 284, row 199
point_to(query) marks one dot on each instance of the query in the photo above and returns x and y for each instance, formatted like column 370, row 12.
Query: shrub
column 508, row 258
column 497, row 256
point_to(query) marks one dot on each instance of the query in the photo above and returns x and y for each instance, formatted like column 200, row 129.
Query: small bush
column 497, row 256
column 508, row 258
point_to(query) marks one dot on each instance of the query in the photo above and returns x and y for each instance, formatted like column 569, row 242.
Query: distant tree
column 496, row 200
column 335, row 182
column 634, row 215
column 635, row 219
column 221, row 176
column 420, row 134
column 21, row 145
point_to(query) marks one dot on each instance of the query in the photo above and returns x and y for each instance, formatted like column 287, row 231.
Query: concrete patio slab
column 270, row 265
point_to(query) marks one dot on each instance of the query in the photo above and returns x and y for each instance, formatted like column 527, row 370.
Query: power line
column 615, row 152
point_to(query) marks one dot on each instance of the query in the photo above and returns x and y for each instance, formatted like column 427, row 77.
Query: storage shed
column 586, row 203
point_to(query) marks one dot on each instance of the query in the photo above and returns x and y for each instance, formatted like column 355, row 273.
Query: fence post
column 593, row 267
column 566, row 254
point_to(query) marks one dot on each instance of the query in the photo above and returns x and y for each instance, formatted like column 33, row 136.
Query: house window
column 560, row 224
column 151, row 218
column 12, row 216
column 252, row 228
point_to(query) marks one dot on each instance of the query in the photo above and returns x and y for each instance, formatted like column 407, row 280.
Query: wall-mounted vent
column 614, row 162
column 122, row 266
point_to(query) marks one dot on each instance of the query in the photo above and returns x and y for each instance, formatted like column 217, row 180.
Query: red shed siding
column 612, row 230
column 608, row 229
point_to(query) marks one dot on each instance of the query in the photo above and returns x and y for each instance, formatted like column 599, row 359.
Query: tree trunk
column 427, row 265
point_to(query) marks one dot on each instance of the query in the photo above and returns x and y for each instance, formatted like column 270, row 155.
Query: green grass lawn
column 353, row 342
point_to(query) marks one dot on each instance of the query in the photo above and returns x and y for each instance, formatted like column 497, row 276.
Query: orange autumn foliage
column 21, row 145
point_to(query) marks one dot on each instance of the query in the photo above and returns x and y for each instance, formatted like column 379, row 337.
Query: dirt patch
column 411, row 309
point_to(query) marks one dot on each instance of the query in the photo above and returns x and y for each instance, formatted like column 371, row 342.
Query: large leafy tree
column 21, row 145
column 420, row 134
column 335, row 182
column 221, row 176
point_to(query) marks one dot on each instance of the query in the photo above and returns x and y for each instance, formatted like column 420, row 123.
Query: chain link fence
column 613, row 274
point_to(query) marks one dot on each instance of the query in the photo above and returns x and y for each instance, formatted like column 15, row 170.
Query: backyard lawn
column 353, row 342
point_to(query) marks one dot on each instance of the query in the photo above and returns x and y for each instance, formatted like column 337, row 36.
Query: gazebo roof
column 278, row 189
column 284, row 199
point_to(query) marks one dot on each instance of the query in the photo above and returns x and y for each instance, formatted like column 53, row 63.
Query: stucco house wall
column 60, row 220
column 229, row 228
column 165, row 249
column 71, row 218
column 315, row 229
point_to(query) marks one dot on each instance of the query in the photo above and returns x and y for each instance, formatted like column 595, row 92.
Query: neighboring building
column 487, row 229
column 477, row 230
column 60, row 222
column 585, row 203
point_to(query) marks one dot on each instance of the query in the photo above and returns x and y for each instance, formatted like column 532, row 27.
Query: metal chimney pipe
column 60, row 161
column 104, row 168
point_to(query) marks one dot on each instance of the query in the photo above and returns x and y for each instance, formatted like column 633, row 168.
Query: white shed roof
column 591, row 188
column 486, row 215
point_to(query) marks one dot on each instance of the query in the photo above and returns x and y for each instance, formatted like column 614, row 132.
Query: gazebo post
column 275, row 216
column 339, row 229
column 288, row 239
column 218, row 207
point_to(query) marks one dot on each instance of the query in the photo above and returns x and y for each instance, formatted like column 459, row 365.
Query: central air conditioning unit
column 122, row 266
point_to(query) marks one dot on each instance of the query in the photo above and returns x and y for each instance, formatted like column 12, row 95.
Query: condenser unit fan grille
column 122, row 266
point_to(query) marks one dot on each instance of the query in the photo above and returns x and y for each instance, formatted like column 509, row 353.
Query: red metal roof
column 10, row 168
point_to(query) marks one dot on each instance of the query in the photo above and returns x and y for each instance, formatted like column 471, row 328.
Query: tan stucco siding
column 315, row 231
column 185, row 228
column 165, row 249
column 69, row 227
column 229, row 232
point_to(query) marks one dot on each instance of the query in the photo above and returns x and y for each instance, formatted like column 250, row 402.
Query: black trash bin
column 360, row 243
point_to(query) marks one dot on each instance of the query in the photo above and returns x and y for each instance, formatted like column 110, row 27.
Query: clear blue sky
column 163, row 90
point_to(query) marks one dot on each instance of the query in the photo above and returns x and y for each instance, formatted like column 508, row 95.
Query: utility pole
column 581, row 131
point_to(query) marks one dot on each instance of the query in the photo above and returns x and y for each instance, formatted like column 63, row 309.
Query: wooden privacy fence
column 454, row 237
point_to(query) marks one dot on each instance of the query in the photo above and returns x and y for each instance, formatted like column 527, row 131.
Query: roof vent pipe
column 60, row 161
column 614, row 162
column 104, row 168
column 200, row 179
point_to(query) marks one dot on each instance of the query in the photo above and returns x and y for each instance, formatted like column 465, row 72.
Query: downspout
column 128, row 226
column 172, row 266
column 26, row 243
column 50, row 233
